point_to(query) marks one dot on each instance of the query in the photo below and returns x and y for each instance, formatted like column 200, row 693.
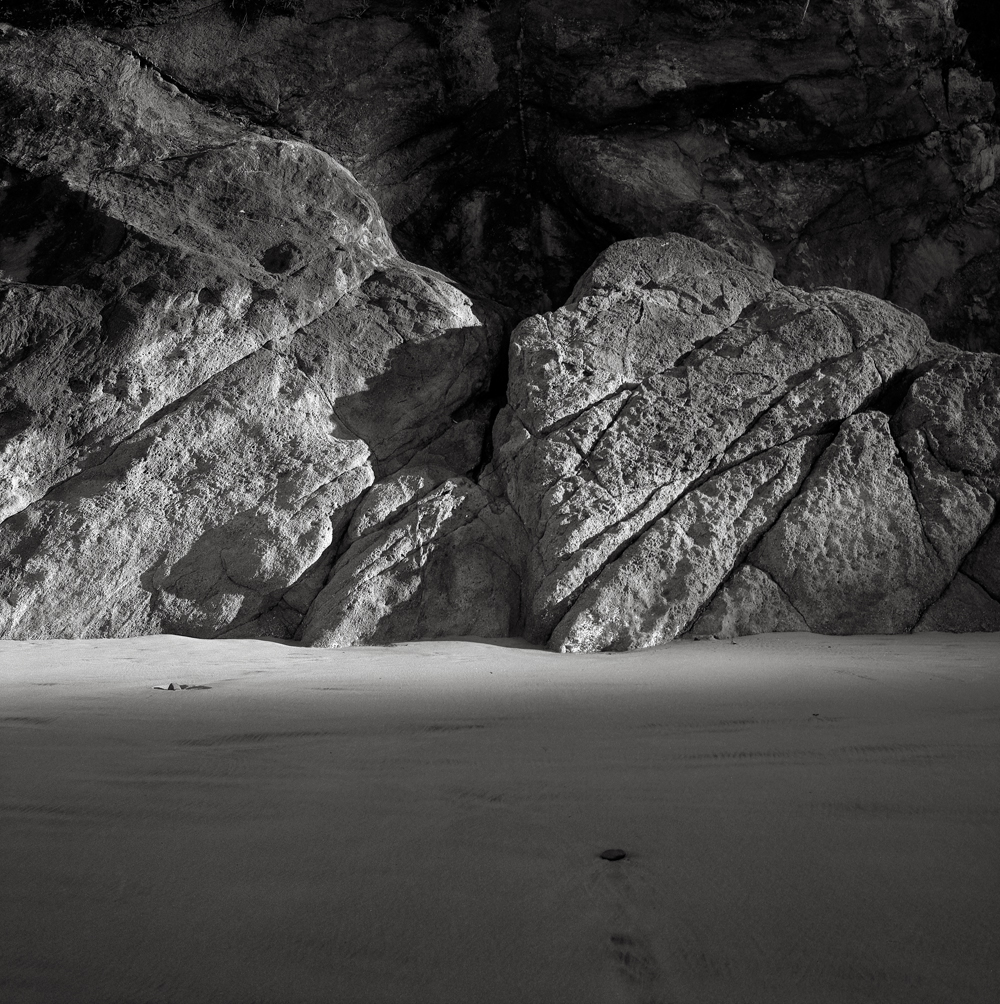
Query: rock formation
column 211, row 350
column 230, row 406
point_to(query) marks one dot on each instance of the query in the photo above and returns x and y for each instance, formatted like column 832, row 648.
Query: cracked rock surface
column 229, row 406
column 211, row 349
column 696, row 447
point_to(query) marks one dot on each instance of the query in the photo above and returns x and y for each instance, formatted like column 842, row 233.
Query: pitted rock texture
column 444, row 569
column 695, row 448
column 230, row 407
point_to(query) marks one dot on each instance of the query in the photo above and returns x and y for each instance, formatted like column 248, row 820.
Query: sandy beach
column 806, row 819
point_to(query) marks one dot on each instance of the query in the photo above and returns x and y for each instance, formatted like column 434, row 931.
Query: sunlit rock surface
column 211, row 350
column 694, row 447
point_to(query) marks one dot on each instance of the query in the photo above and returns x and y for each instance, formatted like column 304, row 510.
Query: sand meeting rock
column 750, row 422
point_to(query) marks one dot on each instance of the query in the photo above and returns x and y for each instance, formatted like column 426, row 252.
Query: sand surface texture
column 806, row 819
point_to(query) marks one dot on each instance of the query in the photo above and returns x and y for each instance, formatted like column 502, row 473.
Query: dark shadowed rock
column 507, row 144
column 983, row 563
column 965, row 606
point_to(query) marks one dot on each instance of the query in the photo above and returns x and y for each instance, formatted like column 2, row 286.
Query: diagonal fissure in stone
column 745, row 553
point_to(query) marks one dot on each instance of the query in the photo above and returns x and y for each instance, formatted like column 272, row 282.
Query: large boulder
column 694, row 447
column 210, row 350
column 230, row 407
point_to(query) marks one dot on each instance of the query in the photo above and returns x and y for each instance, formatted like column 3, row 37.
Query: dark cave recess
column 981, row 19
column 49, row 234
column 509, row 143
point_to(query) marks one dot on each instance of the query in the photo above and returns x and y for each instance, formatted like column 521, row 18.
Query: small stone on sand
column 613, row 854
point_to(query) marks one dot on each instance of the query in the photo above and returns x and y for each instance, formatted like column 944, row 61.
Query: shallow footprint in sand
column 636, row 963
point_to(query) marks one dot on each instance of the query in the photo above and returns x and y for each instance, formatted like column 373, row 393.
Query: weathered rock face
column 698, row 448
column 229, row 406
column 211, row 350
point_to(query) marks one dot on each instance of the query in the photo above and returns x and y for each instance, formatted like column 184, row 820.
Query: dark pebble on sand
column 613, row 854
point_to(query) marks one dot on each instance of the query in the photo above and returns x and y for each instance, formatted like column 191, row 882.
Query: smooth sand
column 807, row 820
